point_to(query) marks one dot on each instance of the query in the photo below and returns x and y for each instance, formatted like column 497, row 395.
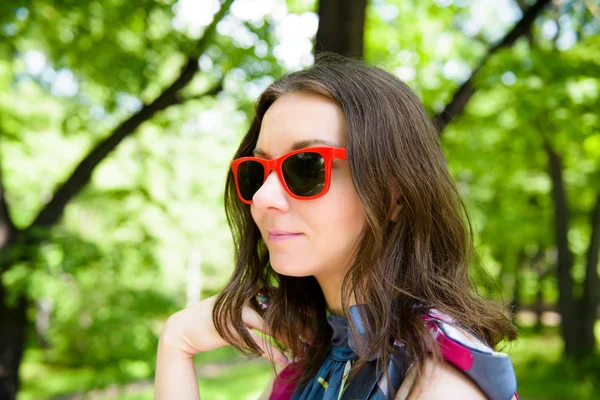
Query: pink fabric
column 285, row 383
column 452, row 352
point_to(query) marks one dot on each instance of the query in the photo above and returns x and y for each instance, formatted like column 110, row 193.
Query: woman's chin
column 290, row 270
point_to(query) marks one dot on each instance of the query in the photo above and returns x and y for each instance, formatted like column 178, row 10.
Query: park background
column 118, row 120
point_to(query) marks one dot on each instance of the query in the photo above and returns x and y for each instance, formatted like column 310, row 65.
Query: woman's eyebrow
column 299, row 145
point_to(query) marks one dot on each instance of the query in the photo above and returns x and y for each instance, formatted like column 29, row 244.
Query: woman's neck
column 331, row 286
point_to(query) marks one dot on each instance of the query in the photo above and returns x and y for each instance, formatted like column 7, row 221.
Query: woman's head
column 324, row 229
column 393, row 155
column 392, row 225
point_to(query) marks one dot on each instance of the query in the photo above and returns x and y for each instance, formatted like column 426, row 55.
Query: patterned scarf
column 331, row 381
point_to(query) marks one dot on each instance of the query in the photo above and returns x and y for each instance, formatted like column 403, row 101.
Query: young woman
column 352, row 251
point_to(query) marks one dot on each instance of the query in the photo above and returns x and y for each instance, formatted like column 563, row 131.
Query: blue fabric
column 368, row 384
column 492, row 372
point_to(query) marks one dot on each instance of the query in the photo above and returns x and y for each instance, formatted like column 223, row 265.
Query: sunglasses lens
column 251, row 176
column 304, row 173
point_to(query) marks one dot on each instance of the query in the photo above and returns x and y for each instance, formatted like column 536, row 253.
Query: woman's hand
column 191, row 331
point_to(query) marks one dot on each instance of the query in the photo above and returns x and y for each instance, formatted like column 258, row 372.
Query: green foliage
column 543, row 373
column 524, row 95
column 222, row 376
column 552, row 99
column 115, row 267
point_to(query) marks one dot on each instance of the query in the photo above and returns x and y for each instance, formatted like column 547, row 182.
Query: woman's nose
column 271, row 194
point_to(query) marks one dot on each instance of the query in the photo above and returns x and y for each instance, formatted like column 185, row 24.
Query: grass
column 542, row 373
column 225, row 375
column 244, row 381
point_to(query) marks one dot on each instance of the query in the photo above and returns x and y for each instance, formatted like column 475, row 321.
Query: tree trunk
column 341, row 27
column 13, row 320
column 536, row 264
column 590, row 288
column 13, row 323
column 464, row 93
column 566, row 303
column 542, row 271
column 515, row 301
column 539, row 306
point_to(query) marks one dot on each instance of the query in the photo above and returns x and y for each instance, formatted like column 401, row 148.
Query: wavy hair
column 422, row 257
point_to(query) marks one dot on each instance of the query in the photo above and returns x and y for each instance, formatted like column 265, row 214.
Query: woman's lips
column 278, row 236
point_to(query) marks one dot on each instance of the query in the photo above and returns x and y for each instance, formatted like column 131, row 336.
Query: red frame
column 328, row 154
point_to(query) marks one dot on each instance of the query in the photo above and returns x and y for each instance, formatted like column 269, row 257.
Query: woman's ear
column 395, row 209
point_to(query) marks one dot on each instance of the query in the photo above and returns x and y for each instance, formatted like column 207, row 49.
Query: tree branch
column 529, row 34
column 80, row 177
column 213, row 91
column 594, row 8
column 590, row 285
column 467, row 89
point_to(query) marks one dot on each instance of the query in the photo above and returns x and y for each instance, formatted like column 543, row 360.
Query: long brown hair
column 422, row 257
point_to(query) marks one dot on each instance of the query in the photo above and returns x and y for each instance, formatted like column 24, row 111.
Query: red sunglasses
column 305, row 174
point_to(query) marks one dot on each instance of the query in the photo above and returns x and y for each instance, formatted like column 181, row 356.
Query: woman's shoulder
column 442, row 380
column 491, row 371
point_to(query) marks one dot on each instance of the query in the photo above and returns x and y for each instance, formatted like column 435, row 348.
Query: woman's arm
column 465, row 372
column 189, row 332
column 444, row 381
column 441, row 381
column 175, row 373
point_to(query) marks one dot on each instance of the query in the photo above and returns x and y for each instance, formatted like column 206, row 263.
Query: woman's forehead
column 297, row 146
column 301, row 118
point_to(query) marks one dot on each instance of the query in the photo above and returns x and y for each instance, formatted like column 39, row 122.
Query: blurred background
column 118, row 120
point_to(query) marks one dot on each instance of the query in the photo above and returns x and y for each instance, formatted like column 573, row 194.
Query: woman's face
column 328, row 226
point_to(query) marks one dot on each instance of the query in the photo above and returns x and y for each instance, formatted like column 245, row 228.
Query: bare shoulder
column 443, row 380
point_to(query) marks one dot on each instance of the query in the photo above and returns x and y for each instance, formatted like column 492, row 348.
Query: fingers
column 255, row 321
column 252, row 319
column 268, row 351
